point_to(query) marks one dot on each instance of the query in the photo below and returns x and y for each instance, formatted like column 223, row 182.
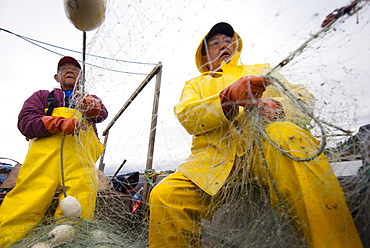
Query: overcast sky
column 336, row 68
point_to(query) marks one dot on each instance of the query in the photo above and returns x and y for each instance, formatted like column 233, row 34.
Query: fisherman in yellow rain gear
column 224, row 109
column 60, row 127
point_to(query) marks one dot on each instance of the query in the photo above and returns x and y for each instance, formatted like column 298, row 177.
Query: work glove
column 270, row 110
column 243, row 92
column 89, row 106
column 60, row 124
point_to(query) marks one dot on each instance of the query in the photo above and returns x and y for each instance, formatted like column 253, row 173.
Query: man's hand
column 270, row 110
column 60, row 124
column 89, row 106
column 245, row 91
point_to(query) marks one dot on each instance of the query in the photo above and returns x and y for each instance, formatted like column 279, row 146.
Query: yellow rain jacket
column 40, row 178
column 215, row 139
column 309, row 191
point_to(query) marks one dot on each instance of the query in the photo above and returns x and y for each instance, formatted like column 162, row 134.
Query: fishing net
column 135, row 36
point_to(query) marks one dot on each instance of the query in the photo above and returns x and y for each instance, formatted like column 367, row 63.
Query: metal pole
column 83, row 64
column 118, row 170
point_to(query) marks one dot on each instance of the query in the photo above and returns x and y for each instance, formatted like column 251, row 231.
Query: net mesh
column 136, row 35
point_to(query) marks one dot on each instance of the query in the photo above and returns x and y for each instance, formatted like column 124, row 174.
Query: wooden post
column 155, row 70
column 101, row 163
column 153, row 129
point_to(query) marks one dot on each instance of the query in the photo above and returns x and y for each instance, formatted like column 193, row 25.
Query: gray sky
column 336, row 68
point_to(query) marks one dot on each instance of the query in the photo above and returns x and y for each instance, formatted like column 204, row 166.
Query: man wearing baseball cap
column 60, row 128
column 246, row 130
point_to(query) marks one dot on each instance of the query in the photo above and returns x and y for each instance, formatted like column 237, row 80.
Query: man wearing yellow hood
column 233, row 111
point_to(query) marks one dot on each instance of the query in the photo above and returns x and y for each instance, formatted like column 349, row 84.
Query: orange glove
column 244, row 92
column 90, row 106
column 270, row 109
column 60, row 124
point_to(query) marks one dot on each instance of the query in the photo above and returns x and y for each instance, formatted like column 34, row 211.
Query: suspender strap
column 51, row 103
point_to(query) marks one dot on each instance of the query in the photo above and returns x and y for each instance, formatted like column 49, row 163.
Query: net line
column 140, row 237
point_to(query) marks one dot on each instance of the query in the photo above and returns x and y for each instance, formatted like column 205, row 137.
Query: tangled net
column 244, row 216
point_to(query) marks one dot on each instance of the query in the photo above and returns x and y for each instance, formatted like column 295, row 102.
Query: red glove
column 60, row 124
column 90, row 106
column 270, row 109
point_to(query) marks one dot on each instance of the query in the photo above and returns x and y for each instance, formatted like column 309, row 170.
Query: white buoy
column 98, row 235
column 71, row 207
column 85, row 15
column 41, row 245
column 62, row 233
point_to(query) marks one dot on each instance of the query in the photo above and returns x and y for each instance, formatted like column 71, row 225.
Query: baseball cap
column 221, row 28
column 68, row 59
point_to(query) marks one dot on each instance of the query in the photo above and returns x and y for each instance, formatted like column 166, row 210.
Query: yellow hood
column 234, row 60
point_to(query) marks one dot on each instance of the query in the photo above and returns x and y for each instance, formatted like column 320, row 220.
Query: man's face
column 220, row 48
column 67, row 75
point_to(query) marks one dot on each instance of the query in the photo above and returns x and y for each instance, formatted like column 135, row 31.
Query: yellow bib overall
column 40, row 178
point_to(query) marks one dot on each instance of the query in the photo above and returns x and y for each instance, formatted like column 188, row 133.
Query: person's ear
column 205, row 61
column 56, row 78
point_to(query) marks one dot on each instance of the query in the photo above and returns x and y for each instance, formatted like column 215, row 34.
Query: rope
column 62, row 166
column 304, row 109
column 265, row 165
column 277, row 83
column 34, row 42
column 10, row 159
column 83, row 93
column 149, row 173
column 325, row 26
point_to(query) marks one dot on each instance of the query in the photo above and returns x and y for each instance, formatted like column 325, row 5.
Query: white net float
column 71, row 207
column 86, row 15
column 62, row 233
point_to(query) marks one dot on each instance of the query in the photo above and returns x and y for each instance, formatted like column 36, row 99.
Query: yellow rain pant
column 309, row 190
column 40, row 178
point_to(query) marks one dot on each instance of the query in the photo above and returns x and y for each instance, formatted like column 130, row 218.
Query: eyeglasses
column 216, row 43
column 65, row 68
